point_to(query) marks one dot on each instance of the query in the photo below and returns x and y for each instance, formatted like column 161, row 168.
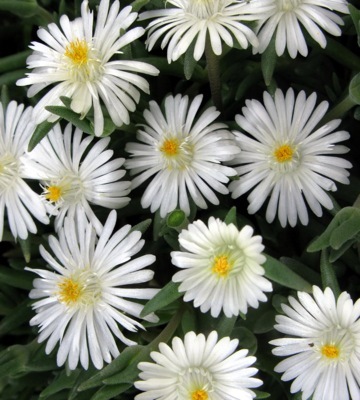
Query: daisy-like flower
column 184, row 155
column 193, row 20
column 286, row 158
column 198, row 368
column 73, row 174
column 323, row 350
column 17, row 199
column 221, row 267
column 285, row 16
column 78, row 62
column 84, row 298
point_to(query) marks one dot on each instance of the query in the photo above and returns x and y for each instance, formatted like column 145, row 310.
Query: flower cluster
column 98, row 147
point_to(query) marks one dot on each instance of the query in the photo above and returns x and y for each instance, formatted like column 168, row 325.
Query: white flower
column 83, row 299
column 198, row 368
column 285, row 16
column 184, row 156
column 73, row 175
column 17, row 200
column 195, row 19
column 221, row 267
column 78, row 62
column 323, row 352
column 286, row 158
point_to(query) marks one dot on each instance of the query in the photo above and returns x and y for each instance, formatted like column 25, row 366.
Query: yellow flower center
column 284, row 153
column 9, row 170
column 81, row 289
column 221, row 266
column 69, row 291
column 53, row 193
column 199, row 394
column 78, row 52
column 204, row 9
column 288, row 5
column 170, row 147
column 330, row 351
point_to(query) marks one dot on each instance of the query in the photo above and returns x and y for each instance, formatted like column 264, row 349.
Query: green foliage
column 324, row 253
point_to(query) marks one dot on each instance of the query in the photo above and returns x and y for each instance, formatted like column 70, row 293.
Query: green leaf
column 72, row 117
column 336, row 254
column 141, row 226
column 231, row 217
column 119, row 364
column 355, row 16
column 21, row 8
column 344, row 227
column 354, row 89
column 328, row 275
column 189, row 62
column 25, row 245
column 265, row 323
column 110, row 392
column 18, row 316
column 225, row 325
column 9, row 78
column 165, row 296
column 260, row 394
column 61, row 382
column 109, row 127
column 247, row 340
column 268, row 61
column 282, row 274
column 15, row 61
column 18, row 279
column 40, row 132
column 66, row 101
column 5, row 98
column 138, row 4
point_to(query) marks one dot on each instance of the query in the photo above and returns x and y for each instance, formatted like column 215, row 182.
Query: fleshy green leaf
column 354, row 89
column 282, row 274
column 15, row 278
column 328, row 275
column 260, row 394
column 72, row 117
column 231, row 217
column 14, row 61
column 61, row 382
column 189, row 62
column 167, row 295
column 25, row 245
column 110, row 392
column 138, row 4
column 268, row 61
column 40, row 132
column 119, row 364
column 20, row 315
column 21, row 8
column 141, row 226
column 355, row 16
column 344, row 227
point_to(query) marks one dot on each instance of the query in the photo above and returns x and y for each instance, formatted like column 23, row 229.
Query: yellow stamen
column 78, row 52
column 70, row 291
column 199, row 395
column 221, row 266
column 53, row 193
column 170, row 147
column 284, row 153
column 330, row 351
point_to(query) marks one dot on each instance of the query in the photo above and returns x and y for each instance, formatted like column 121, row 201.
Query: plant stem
column 213, row 68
